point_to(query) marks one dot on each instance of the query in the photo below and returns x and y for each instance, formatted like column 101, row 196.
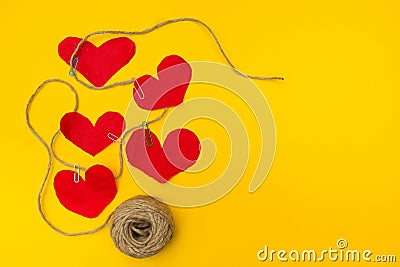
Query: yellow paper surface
column 335, row 173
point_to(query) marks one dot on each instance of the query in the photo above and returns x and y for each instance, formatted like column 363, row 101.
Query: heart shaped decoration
column 174, row 75
column 98, row 64
column 181, row 150
column 87, row 197
column 92, row 139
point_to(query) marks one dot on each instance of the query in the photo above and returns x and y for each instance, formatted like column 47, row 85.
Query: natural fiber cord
column 50, row 153
column 148, row 30
column 141, row 226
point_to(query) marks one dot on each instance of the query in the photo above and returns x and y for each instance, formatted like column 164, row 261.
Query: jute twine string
column 50, row 153
column 148, row 30
column 141, row 226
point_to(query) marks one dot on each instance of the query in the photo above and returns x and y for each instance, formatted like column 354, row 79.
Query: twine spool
column 141, row 226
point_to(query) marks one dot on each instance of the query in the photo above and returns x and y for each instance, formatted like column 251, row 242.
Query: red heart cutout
column 180, row 151
column 92, row 139
column 87, row 197
column 98, row 64
column 174, row 75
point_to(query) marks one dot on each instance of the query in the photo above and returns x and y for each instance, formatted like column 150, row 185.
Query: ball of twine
column 141, row 226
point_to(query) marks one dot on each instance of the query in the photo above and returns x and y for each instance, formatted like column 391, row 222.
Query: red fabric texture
column 92, row 139
column 174, row 75
column 98, row 64
column 181, row 150
column 88, row 197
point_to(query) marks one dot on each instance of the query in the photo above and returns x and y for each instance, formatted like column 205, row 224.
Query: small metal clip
column 145, row 127
column 72, row 70
column 140, row 93
column 114, row 138
column 77, row 173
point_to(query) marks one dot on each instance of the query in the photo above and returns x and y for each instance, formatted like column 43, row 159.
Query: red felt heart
column 180, row 151
column 92, row 139
column 87, row 197
column 174, row 75
column 98, row 64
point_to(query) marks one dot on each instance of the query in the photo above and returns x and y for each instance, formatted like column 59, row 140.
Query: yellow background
column 335, row 172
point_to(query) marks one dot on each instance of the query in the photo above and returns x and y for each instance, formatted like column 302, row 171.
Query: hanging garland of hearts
column 88, row 196
column 98, row 65
column 144, row 151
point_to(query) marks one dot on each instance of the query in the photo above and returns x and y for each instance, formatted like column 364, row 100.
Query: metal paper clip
column 77, row 173
column 145, row 127
column 114, row 138
column 140, row 93
column 72, row 70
